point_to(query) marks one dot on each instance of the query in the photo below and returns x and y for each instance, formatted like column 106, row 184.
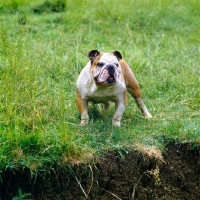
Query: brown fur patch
column 95, row 61
column 125, row 97
column 130, row 81
column 79, row 101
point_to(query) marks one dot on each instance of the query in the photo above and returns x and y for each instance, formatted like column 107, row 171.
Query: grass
column 43, row 49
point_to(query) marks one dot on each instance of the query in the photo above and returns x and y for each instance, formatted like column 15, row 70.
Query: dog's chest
column 104, row 94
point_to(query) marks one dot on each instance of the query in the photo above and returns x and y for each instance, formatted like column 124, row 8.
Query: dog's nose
column 111, row 69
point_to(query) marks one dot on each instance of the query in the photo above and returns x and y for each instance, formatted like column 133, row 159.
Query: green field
column 43, row 47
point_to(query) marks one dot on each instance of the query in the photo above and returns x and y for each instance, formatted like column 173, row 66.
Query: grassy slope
column 41, row 55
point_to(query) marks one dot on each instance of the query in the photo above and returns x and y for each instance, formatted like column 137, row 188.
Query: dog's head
column 105, row 67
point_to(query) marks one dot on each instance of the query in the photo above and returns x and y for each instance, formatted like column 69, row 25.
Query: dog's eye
column 116, row 64
column 100, row 64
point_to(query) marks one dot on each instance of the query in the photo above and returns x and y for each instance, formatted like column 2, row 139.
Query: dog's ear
column 117, row 54
column 93, row 54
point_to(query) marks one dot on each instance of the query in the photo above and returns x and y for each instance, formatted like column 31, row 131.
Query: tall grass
column 42, row 53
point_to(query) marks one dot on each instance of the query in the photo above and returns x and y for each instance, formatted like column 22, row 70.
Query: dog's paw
column 84, row 122
column 147, row 115
column 116, row 123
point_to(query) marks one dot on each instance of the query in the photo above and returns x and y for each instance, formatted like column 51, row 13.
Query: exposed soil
column 134, row 177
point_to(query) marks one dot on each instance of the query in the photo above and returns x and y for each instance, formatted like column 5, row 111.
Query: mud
column 133, row 177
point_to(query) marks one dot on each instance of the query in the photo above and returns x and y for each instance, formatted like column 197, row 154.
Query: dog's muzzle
column 107, row 75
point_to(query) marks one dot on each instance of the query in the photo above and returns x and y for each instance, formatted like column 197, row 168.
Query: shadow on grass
column 50, row 6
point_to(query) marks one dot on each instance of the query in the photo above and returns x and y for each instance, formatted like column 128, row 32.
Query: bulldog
column 107, row 78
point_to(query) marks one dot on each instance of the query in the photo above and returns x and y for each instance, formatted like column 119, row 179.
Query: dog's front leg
column 83, row 108
column 119, row 110
column 84, row 117
column 84, row 113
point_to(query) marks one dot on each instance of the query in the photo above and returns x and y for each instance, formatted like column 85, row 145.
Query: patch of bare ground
column 137, row 176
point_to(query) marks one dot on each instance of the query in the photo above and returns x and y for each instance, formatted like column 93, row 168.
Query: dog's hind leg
column 133, row 88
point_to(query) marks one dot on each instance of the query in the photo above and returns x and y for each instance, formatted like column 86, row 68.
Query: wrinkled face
column 106, row 69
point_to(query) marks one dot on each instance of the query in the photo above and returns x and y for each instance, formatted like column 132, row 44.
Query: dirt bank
column 136, row 176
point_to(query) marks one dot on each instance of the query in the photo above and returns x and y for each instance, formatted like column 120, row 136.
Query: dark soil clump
column 134, row 177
